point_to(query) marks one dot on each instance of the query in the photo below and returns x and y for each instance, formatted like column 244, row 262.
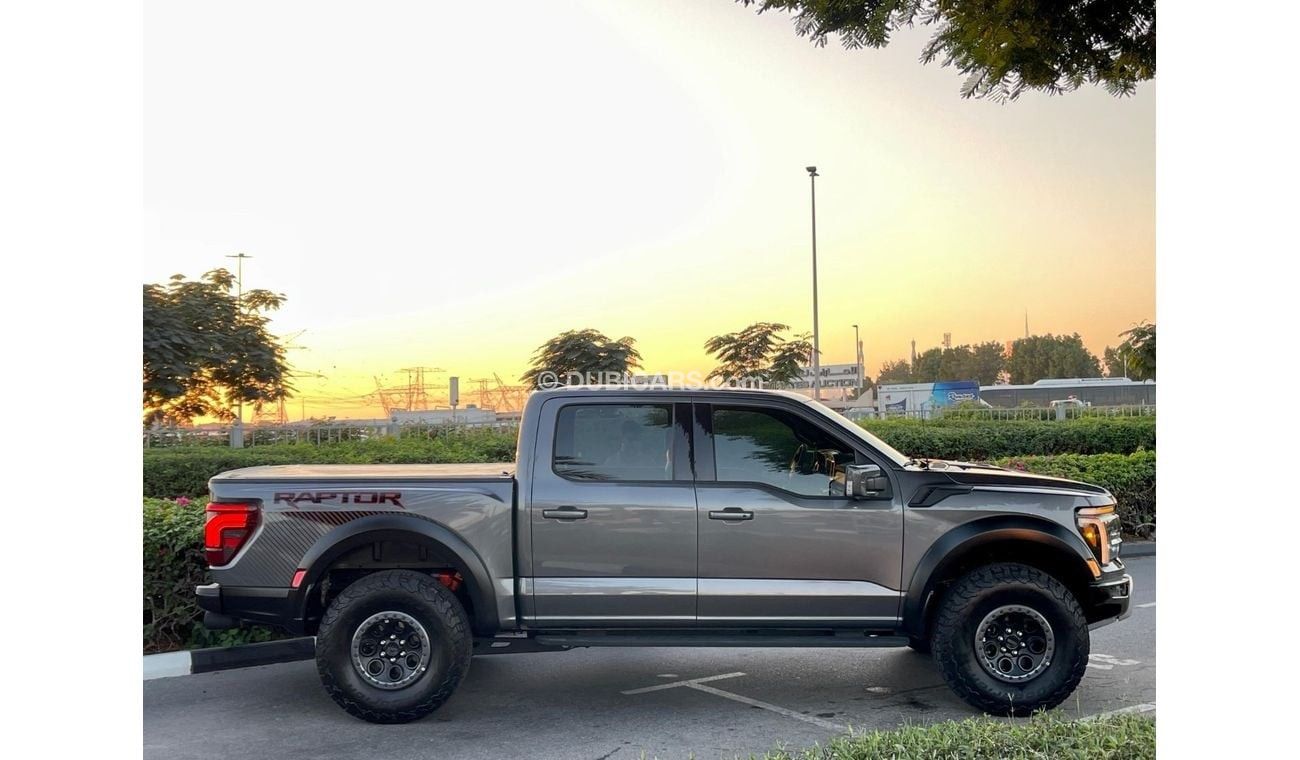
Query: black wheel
column 1010, row 639
column 393, row 646
column 920, row 646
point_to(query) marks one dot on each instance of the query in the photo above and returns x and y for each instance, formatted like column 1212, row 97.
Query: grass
column 1044, row 736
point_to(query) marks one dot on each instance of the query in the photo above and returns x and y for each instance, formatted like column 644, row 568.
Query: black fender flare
column 398, row 526
column 957, row 543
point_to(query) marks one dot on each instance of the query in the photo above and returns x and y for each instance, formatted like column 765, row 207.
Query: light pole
column 857, row 358
column 239, row 299
column 816, row 359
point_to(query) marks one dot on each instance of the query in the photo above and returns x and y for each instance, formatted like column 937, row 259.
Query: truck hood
column 984, row 474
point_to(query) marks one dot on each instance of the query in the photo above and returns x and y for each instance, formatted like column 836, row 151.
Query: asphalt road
column 577, row 704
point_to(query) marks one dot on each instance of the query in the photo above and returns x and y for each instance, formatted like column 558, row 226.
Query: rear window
column 609, row 442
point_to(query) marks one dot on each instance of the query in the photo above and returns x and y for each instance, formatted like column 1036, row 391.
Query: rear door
column 780, row 543
column 612, row 513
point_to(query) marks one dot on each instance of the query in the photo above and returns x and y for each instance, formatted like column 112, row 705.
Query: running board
column 744, row 638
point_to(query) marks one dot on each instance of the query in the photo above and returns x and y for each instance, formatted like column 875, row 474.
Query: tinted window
column 780, row 449
column 614, row 442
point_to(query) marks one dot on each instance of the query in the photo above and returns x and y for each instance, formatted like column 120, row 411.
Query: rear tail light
column 228, row 527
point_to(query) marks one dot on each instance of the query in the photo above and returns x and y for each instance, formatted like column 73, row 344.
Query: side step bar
column 786, row 638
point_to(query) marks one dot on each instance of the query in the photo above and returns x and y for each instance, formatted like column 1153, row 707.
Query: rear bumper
column 250, row 604
column 1108, row 596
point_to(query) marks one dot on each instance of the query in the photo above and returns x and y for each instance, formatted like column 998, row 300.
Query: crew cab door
column 781, row 544
column 612, row 513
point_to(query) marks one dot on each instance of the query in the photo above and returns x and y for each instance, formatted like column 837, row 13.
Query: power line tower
column 947, row 340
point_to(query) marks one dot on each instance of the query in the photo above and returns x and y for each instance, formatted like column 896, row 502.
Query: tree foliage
column 205, row 351
column 895, row 372
column 759, row 352
column 1049, row 356
column 1002, row 46
column 982, row 362
column 1135, row 357
column 581, row 356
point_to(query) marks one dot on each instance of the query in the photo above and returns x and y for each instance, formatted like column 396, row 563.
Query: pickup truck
column 668, row 517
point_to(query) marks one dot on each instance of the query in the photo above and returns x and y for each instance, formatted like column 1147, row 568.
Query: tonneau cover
column 479, row 471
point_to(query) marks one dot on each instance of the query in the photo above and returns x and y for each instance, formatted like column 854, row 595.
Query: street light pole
column 239, row 299
column 857, row 358
column 816, row 352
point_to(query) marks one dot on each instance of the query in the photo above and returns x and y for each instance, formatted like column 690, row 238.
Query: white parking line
column 1145, row 707
column 1148, row 604
column 698, row 685
column 675, row 684
column 768, row 706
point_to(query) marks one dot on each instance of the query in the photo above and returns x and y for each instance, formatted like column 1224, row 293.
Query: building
column 1094, row 391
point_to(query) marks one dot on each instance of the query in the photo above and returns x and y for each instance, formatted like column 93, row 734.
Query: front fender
column 957, row 544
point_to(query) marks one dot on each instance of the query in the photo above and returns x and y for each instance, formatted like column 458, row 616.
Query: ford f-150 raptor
column 668, row 517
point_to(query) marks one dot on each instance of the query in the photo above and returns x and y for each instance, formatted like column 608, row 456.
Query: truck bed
column 477, row 472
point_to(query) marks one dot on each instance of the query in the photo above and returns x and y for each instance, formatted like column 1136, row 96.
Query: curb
column 1138, row 549
column 214, row 659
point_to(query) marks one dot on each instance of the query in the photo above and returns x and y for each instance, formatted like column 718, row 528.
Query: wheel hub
column 1014, row 643
column 390, row 650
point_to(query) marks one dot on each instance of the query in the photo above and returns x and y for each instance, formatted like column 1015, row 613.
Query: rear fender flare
column 400, row 527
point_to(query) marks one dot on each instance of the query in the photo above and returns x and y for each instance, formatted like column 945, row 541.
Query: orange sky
column 428, row 192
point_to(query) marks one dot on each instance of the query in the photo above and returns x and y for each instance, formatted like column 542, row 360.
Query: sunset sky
column 451, row 184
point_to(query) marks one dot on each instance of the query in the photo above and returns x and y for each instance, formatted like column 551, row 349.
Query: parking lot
column 619, row 703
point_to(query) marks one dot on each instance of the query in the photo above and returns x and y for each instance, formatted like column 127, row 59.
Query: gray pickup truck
column 643, row 517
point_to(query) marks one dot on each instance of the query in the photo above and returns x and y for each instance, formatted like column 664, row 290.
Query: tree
column 982, row 362
column 1044, row 356
column 1003, row 47
column 1140, row 354
column 1135, row 358
column 758, row 352
column 206, row 351
column 581, row 356
column 894, row 372
column 988, row 362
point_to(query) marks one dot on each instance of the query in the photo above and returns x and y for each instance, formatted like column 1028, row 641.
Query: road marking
column 698, row 685
column 1145, row 707
column 1107, row 662
column 879, row 689
column 768, row 706
column 1148, row 604
column 675, row 684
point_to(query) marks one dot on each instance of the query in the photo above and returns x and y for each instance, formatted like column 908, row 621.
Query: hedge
column 1046, row 735
column 1130, row 477
column 988, row 439
column 185, row 470
column 173, row 566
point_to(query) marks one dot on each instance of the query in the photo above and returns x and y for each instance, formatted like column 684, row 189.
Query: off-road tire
column 970, row 599
column 423, row 598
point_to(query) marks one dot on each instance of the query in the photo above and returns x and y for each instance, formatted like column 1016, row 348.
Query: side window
column 779, row 449
column 614, row 442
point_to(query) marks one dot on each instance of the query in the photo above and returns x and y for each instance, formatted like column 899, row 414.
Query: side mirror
column 866, row 481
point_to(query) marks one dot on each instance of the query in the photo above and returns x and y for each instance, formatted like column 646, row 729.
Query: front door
column 780, row 543
column 613, row 514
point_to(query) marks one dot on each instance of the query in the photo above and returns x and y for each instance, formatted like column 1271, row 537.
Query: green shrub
column 1044, row 736
column 1130, row 477
column 988, row 439
column 173, row 566
column 185, row 470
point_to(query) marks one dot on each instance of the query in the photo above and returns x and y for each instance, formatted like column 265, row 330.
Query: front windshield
column 860, row 432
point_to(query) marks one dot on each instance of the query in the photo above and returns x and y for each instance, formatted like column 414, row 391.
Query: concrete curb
column 1138, row 549
column 225, row 658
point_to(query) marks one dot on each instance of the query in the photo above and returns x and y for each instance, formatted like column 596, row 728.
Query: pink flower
column 182, row 501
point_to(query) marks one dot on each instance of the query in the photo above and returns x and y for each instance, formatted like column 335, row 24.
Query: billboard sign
column 832, row 375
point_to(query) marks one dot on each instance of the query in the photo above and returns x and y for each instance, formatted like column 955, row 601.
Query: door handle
column 565, row 513
column 731, row 514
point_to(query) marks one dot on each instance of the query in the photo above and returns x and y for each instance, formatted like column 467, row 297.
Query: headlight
column 1099, row 527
